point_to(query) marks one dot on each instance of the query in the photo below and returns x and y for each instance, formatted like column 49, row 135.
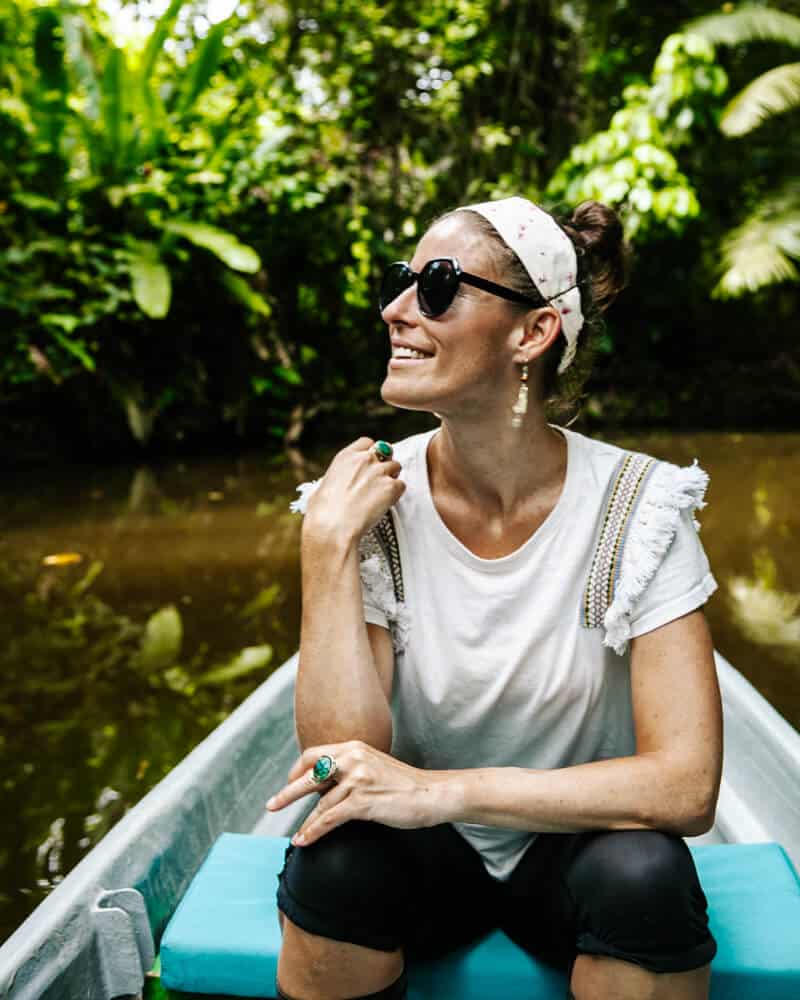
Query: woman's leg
column 626, row 904
column 359, row 897
column 611, row 979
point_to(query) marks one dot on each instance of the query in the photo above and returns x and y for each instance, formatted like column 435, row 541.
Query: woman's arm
column 342, row 689
column 670, row 783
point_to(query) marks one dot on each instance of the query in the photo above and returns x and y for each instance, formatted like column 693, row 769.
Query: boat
column 96, row 935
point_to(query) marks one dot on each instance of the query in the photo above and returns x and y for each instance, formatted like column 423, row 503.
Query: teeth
column 407, row 352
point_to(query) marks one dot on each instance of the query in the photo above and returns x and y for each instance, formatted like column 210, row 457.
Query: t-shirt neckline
column 545, row 529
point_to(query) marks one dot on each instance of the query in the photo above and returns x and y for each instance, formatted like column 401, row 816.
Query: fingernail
column 270, row 802
column 298, row 838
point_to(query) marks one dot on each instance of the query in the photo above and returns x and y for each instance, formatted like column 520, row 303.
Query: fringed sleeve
column 381, row 607
column 663, row 570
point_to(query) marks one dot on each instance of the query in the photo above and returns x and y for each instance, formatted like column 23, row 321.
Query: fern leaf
column 762, row 250
column 748, row 23
column 772, row 93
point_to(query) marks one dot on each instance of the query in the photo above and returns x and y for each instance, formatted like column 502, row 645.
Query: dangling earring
column 520, row 408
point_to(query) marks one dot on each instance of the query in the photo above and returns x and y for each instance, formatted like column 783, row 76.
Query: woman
column 523, row 739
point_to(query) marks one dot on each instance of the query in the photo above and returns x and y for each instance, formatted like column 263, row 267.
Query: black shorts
column 627, row 894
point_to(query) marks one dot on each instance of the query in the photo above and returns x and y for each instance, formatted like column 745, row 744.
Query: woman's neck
column 497, row 471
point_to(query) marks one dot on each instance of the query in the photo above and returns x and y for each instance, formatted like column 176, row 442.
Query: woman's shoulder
column 648, row 501
column 629, row 474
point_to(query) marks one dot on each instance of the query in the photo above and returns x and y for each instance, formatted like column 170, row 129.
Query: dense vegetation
column 195, row 206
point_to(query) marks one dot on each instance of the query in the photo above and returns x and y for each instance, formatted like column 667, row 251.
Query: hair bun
column 597, row 230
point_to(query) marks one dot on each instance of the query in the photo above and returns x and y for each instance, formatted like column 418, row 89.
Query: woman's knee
column 638, row 891
column 353, row 865
column 346, row 887
column 634, row 870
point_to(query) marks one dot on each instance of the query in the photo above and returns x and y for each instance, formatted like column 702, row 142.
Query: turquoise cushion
column 225, row 936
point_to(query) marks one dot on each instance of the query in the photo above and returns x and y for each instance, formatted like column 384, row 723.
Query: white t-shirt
column 495, row 662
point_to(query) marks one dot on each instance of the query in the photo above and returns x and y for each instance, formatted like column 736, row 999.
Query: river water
column 124, row 648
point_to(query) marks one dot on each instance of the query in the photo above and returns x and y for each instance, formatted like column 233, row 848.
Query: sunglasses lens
column 438, row 285
column 396, row 279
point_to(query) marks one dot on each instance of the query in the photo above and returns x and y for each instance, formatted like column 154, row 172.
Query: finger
column 328, row 821
column 390, row 467
column 300, row 780
column 290, row 793
column 360, row 444
column 336, row 795
column 296, row 789
column 309, row 757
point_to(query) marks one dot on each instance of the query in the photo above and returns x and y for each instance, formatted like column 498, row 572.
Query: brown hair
column 603, row 266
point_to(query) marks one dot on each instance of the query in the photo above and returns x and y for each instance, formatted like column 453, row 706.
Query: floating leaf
column 161, row 643
column 250, row 659
column 95, row 569
column 62, row 559
column 264, row 599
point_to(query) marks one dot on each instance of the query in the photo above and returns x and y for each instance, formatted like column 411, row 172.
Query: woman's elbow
column 693, row 814
column 686, row 806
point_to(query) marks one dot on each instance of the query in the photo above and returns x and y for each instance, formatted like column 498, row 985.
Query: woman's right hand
column 355, row 493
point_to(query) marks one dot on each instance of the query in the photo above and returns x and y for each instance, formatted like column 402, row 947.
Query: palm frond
column 773, row 92
column 748, row 23
column 763, row 249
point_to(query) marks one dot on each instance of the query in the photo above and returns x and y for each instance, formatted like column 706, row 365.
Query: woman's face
column 470, row 345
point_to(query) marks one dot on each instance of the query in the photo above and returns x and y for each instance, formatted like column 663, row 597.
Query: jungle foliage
column 195, row 207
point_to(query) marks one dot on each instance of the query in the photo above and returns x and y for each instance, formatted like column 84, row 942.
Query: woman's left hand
column 368, row 784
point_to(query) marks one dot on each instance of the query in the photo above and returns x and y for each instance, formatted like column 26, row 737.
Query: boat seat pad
column 224, row 937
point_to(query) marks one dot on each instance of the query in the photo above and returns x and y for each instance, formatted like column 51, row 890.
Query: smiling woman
column 502, row 648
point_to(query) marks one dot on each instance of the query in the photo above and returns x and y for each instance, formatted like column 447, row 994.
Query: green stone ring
column 383, row 450
column 324, row 768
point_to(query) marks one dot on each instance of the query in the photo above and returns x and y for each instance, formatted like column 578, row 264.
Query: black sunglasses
column 437, row 284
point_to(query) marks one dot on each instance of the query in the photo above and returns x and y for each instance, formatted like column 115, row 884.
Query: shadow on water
column 171, row 591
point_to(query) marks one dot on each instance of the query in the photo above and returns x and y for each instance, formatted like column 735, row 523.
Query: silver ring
column 383, row 451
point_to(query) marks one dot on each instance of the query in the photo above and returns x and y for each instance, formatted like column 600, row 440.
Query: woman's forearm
column 338, row 694
column 644, row 791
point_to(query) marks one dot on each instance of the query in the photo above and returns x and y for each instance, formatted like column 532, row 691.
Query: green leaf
column 250, row 659
column 74, row 347
column 289, row 375
column 155, row 43
column 114, row 86
column 64, row 321
column 245, row 294
column 203, row 67
column 224, row 245
column 48, row 50
column 152, row 287
column 161, row 642
column 36, row 203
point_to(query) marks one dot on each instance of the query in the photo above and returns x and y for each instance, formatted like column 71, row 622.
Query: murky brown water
column 94, row 710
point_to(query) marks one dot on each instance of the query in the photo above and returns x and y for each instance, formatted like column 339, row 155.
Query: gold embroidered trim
column 626, row 488
column 387, row 537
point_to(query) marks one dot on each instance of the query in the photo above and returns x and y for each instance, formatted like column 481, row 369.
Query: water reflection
column 184, row 593
column 766, row 615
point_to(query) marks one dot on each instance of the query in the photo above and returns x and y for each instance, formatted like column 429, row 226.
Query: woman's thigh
column 633, row 895
column 423, row 890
